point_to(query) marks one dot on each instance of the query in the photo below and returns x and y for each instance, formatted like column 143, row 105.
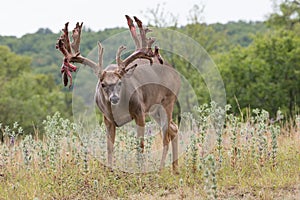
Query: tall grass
column 253, row 158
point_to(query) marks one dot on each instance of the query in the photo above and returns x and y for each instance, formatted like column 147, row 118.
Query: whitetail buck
column 132, row 88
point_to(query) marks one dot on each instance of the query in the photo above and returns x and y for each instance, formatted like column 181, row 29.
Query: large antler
column 143, row 46
column 71, row 53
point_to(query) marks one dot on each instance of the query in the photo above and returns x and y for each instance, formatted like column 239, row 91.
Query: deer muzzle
column 114, row 99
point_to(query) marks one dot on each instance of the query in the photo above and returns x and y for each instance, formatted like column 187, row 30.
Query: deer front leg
column 110, row 134
column 140, row 126
column 140, row 135
column 139, row 119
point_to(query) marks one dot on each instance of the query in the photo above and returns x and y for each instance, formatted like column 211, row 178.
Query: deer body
column 147, row 91
column 138, row 92
column 125, row 93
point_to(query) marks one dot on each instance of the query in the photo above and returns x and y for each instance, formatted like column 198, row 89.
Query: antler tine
column 143, row 46
column 100, row 58
column 147, row 30
column 63, row 45
column 150, row 41
column 63, row 42
column 156, row 53
column 76, row 33
column 118, row 56
column 133, row 32
column 142, row 31
column 65, row 37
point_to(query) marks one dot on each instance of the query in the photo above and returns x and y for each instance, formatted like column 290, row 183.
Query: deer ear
column 102, row 75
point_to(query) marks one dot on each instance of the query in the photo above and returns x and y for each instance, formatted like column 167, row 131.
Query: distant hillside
column 40, row 46
column 240, row 32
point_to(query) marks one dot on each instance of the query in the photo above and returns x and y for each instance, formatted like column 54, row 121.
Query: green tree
column 26, row 97
column 287, row 16
column 265, row 74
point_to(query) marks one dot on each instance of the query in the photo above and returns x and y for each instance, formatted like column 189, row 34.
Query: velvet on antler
column 71, row 53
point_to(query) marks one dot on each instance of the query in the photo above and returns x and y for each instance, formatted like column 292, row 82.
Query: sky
column 19, row 17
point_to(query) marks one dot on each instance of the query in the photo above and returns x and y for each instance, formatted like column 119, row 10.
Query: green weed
column 250, row 158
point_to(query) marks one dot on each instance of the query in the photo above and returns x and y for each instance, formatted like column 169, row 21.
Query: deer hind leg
column 173, row 132
column 170, row 131
column 166, row 141
column 159, row 114
column 170, row 134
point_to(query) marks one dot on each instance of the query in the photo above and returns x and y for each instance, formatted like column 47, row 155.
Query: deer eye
column 103, row 85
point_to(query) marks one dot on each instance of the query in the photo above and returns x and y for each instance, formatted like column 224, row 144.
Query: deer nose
column 114, row 99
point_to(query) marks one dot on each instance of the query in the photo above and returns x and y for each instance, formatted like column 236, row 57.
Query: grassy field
column 255, row 157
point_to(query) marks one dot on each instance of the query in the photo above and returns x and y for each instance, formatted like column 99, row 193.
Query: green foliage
column 12, row 64
column 265, row 74
column 26, row 97
column 238, row 33
column 62, row 166
column 211, row 40
column 287, row 17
